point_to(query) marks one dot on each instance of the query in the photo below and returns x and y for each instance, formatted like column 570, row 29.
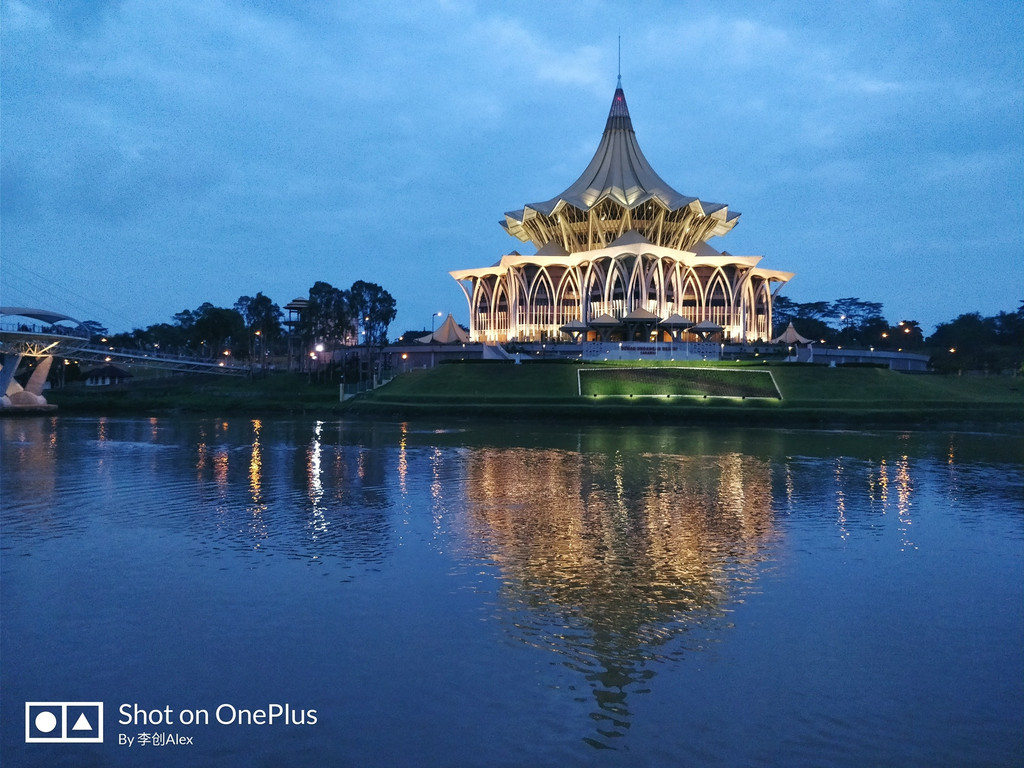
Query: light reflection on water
column 618, row 553
column 616, row 562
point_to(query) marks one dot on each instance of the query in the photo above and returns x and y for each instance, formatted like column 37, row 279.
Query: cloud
column 714, row 46
column 334, row 138
column 20, row 17
column 971, row 169
column 533, row 56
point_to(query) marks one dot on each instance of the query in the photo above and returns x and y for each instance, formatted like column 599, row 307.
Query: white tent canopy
column 790, row 336
column 450, row 332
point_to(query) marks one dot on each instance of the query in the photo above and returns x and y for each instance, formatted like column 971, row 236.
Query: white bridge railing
column 63, row 342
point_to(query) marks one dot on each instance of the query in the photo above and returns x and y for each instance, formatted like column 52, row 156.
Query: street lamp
column 432, row 321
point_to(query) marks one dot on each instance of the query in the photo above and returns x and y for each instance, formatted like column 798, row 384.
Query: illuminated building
column 620, row 254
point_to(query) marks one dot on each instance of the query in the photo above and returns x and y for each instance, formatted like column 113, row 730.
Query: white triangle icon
column 82, row 723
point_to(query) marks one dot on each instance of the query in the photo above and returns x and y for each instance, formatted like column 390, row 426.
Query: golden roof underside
column 619, row 191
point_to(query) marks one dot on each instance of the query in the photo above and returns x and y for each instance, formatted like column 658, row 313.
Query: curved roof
column 42, row 315
column 620, row 173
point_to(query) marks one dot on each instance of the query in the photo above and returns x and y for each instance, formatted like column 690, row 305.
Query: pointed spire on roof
column 618, row 115
column 618, row 170
column 620, row 174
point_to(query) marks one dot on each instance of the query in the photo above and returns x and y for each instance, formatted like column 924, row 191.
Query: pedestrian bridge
column 27, row 332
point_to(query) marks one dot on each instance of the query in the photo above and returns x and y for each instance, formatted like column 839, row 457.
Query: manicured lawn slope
column 809, row 394
column 685, row 381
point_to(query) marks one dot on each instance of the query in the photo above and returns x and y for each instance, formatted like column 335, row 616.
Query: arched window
column 692, row 303
column 501, row 308
column 541, row 304
column 615, row 291
column 719, row 303
column 483, row 296
column 568, row 300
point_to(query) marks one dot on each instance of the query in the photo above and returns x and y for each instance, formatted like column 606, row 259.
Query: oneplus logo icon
column 65, row 722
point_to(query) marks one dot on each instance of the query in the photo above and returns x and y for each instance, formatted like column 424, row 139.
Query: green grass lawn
column 707, row 392
column 808, row 393
column 680, row 381
column 274, row 393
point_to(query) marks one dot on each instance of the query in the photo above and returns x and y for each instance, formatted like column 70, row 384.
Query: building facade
column 620, row 255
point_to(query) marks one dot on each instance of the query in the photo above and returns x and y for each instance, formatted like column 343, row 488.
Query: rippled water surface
column 514, row 595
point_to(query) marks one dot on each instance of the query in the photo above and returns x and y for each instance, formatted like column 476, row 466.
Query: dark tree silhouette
column 374, row 309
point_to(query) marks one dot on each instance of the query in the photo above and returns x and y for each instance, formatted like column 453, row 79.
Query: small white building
column 106, row 376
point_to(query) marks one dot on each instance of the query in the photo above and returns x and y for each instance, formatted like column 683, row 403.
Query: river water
column 509, row 594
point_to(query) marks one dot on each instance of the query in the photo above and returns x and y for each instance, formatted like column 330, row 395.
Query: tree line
column 254, row 328
column 969, row 342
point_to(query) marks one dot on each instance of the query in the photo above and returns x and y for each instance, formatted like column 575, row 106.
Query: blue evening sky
column 157, row 154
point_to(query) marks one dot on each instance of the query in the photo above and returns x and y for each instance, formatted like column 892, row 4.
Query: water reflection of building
column 617, row 559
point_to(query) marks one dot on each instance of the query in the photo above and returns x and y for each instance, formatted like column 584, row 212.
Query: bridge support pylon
column 31, row 396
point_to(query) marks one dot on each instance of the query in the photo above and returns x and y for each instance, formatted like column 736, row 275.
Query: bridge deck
column 33, row 341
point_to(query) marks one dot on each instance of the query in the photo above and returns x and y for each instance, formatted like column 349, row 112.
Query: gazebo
column 640, row 324
column 603, row 325
column 675, row 324
column 574, row 329
column 705, row 330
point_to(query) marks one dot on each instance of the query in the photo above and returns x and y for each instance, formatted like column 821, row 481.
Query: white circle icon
column 46, row 721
